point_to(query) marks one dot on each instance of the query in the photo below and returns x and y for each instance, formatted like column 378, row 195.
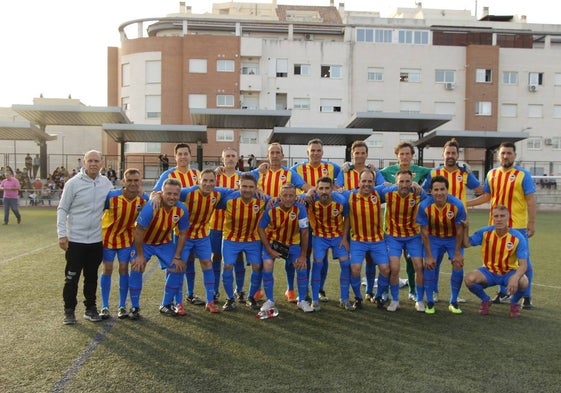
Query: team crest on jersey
column 449, row 214
column 373, row 198
column 256, row 208
column 195, row 179
column 459, row 178
column 213, row 200
column 175, row 218
column 282, row 178
column 509, row 245
column 324, row 172
column 138, row 208
column 292, row 216
column 412, row 202
column 335, row 212
column 512, row 177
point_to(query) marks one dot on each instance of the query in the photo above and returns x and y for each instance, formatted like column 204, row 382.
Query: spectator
column 36, row 165
column 111, row 174
column 11, row 186
column 240, row 165
column 164, row 162
column 28, row 165
column 251, row 162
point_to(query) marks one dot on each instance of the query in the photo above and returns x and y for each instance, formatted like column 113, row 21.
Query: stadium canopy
column 240, row 118
column 42, row 116
column 23, row 131
column 329, row 136
column 488, row 140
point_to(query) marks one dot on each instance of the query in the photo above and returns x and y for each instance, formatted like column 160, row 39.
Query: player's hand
column 63, row 243
column 430, row 263
column 156, row 199
column 177, row 265
column 219, row 170
column 346, row 167
column 512, row 286
column 263, row 167
column 138, row 264
column 300, row 262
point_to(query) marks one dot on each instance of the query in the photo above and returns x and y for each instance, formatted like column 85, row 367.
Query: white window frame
column 330, row 105
column 249, row 137
column 483, row 108
column 224, row 135
column 153, row 72
column 556, row 113
column 153, row 106
column 374, row 106
column 410, row 76
column 510, row 77
column 197, row 101
column 375, row 74
column 250, row 69
column 331, row 71
column 224, row 65
column 302, row 69
column 225, row 100
column 556, row 143
column 416, row 37
column 198, row 66
column 445, row 76
column 535, row 78
column 534, row 143
column 282, row 68
column 301, row 103
column 125, row 74
column 535, row 111
column 483, row 75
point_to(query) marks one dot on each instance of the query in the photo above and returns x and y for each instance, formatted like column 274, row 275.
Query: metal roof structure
column 398, row 122
column 157, row 133
column 23, row 131
column 328, row 136
column 240, row 118
column 71, row 115
column 471, row 139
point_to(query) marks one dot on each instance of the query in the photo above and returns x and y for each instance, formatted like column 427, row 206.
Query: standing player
column 404, row 153
column 402, row 234
column 440, row 217
column 365, row 225
column 327, row 215
column 504, row 252
column 154, row 235
column 117, row 225
column 187, row 177
column 287, row 224
column 512, row 186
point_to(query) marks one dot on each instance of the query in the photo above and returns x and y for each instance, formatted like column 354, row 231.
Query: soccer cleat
column 195, row 300
column 69, row 317
column 435, row 297
column 122, row 313
column 454, row 308
column 393, row 306
column 316, row 306
column 92, row 315
column 168, row 310
column 290, row 296
column 484, row 307
column 323, row 297
column 212, row 308
column 347, row 305
column 258, row 294
column 134, row 313
column 514, row 310
column 230, row 305
column 500, row 298
column 357, row 305
column 461, row 300
column 379, row 302
column 216, row 296
column 267, row 305
column 180, row 310
column 420, row 306
column 412, row 297
column 252, row 303
column 369, row 297
column 105, row 314
column 240, row 296
column 430, row 309
column 270, row 313
column 527, row 303
column 304, row 306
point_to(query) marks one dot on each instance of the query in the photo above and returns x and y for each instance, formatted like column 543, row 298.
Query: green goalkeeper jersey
column 419, row 173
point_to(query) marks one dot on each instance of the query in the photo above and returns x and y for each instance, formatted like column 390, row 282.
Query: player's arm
column 430, row 262
column 481, row 199
column 139, row 262
column 458, row 260
column 178, row 262
column 531, row 201
column 266, row 244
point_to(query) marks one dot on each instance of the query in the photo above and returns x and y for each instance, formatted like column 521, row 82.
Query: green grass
column 330, row 351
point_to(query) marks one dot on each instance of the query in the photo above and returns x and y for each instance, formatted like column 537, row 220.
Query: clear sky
column 59, row 47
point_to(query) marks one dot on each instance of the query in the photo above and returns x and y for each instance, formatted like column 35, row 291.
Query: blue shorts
column 293, row 253
column 494, row 278
column 124, row 255
column 164, row 252
column 377, row 250
column 216, row 242
column 413, row 245
column 200, row 248
column 320, row 245
column 231, row 250
column 443, row 245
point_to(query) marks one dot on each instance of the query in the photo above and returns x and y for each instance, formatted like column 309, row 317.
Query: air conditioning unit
column 309, row 37
column 449, row 86
column 547, row 142
column 532, row 88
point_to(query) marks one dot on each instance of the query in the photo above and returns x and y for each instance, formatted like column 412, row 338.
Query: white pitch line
column 3, row 261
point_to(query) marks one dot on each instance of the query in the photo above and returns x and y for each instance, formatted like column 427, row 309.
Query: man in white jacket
column 79, row 234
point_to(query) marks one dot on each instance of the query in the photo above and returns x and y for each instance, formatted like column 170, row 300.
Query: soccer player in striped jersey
column 201, row 201
column 243, row 210
column 440, row 216
column 187, row 177
column 286, row 223
column 327, row 214
column 404, row 153
column 402, row 233
column 512, row 186
column 365, row 225
column 460, row 179
column 505, row 253
column 117, row 224
column 154, row 235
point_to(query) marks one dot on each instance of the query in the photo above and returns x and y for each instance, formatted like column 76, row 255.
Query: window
column 444, row 108
column 413, row 37
column 556, row 143
column 444, row 76
column 225, row 65
column 535, row 110
column 197, row 66
column 125, row 75
column 535, row 78
column 534, row 143
column 375, row 140
column 153, row 71
column 282, row 68
column 249, row 137
column 302, row 69
column 374, row 106
column 153, row 107
column 483, row 108
column 483, row 75
column 510, row 78
column 224, row 135
column 224, row 100
column 410, row 107
column 330, row 105
column 373, row 35
column 153, row 147
column 413, row 76
column 301, row 103
column 331, row 71
column 375, row 74
column 509, row 110
column 250, row 69
column 557, row 111
column 197, row 100
column 557, row 79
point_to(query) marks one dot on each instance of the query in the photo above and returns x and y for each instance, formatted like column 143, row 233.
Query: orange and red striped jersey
column 459, row 181
column 187, row 179
column 311, row 175
column 241, row 218
column 271, row 181
column 401, row 214
column 223, row 180
column 327, row 220
column 441, row 221
column 365, row 214
column 160, row 223
column 119, row 219
column 350, row 180
column 500, row 254
column 284, row 225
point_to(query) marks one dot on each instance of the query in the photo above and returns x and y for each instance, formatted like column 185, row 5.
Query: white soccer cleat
column 420, row 306
column 269, row 304
column 305, row 306
column 393, row 306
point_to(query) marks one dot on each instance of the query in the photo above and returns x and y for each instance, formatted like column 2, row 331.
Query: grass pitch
column 330, row 351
